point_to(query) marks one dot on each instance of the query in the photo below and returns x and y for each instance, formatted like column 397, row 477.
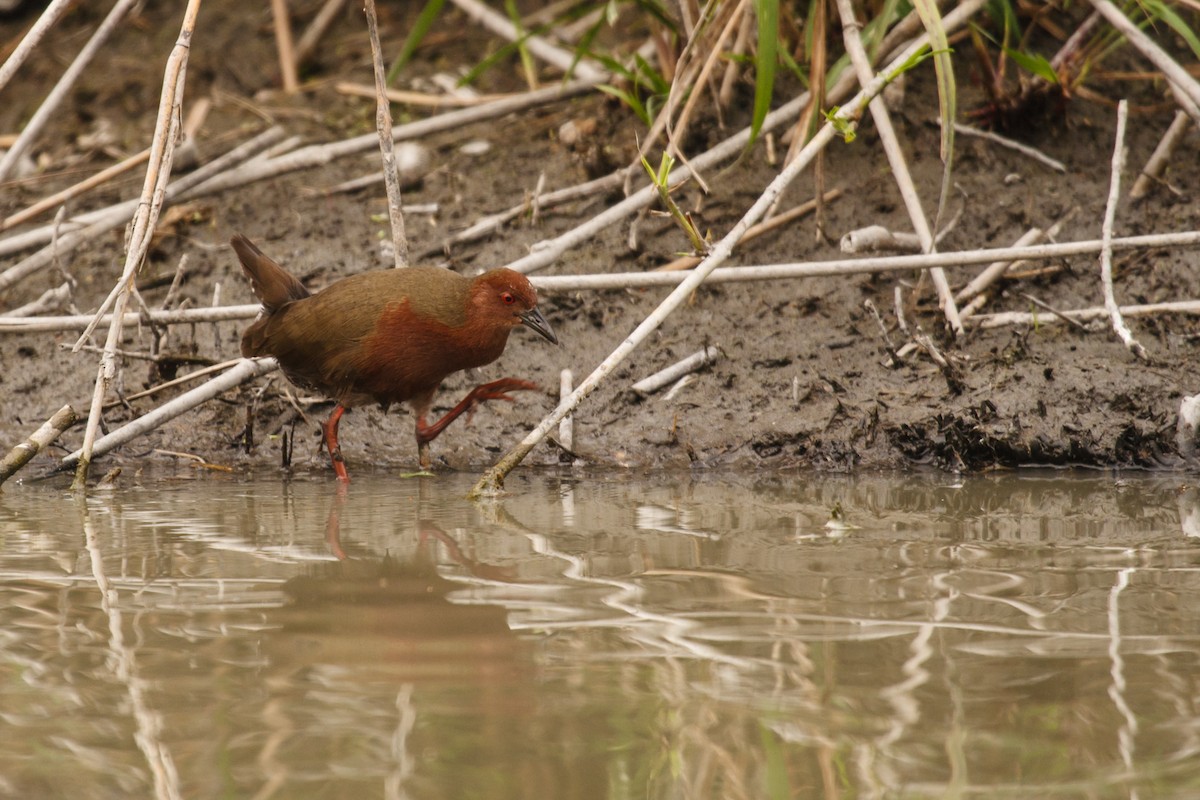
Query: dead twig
column 46, row 21
column 1106, row 229
column 1183, row 86
column 23, row 453
column 895, row 156
column 154, row 190
column 631, row 280
column 1003, row 141
column 846, row 117
column 383, row 123
column 1000, row 320
column 659, row 380
column 245, row 369
column 1156, row 165
column 283, row 43
column 59, row 93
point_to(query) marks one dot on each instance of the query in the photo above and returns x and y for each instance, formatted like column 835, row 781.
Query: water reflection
column 670, row 636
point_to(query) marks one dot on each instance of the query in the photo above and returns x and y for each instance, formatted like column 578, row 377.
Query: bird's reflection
column 393, row 610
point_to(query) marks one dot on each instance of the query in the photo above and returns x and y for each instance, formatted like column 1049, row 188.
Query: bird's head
column 507, row 298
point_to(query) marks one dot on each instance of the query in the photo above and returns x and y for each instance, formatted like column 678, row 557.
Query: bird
column 388, row 336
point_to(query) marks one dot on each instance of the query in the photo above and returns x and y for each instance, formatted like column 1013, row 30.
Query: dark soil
column 804, row 381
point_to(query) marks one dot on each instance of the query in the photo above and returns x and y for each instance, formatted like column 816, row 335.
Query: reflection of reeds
column 607, row 648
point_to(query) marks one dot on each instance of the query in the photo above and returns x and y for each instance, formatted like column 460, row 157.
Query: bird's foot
column 329, row 433
column 496, row 390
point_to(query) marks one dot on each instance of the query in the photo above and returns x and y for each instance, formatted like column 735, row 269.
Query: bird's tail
column 273, row 285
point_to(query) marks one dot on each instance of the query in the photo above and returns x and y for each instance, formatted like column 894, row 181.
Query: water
column 602, row 637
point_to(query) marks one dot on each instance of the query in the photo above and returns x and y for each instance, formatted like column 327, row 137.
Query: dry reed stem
column 244, row 370
column 59, row 93
column 1006, row 318
column 47, row 203
column 548, row 251
column 383, row 123
column 424, row 99
column 493, row 480
column 490, row 223
column 642, row 280
column 560, row 59
column 1004, row 141
column 305, row 158
column 154, row 191
column 993, row 272
column 31, row 40
column 50, row 430
column 805, row 208
column 895, row 155
column 283, row 43
column 566, row 427
column 1183, row 86
column 1106, row 229
column 106, row 219
column 316, row 29
column 678, row 132
column 1156, row 165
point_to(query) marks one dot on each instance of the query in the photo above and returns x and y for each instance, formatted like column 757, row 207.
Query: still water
column 600, row 636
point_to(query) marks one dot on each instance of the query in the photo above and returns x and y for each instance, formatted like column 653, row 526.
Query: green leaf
column 1168, row 15
column 421, row 27
column 1033, row 64
column 767, row 13
column 629, row 99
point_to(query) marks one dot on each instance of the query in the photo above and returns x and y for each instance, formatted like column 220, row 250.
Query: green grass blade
column 927, row 10
column 1168, row 15
column 1033, row 64
column 767, row 13
column 421, row 27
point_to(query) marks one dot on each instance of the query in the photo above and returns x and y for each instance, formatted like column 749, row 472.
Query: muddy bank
column 804, row 380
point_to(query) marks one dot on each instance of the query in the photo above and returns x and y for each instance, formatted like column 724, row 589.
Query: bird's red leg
column 496, row 390
column 329, row 431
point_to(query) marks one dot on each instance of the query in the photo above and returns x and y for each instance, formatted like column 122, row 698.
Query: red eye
column 508, row 298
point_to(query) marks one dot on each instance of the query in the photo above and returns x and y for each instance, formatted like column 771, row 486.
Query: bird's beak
column 534, row 319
